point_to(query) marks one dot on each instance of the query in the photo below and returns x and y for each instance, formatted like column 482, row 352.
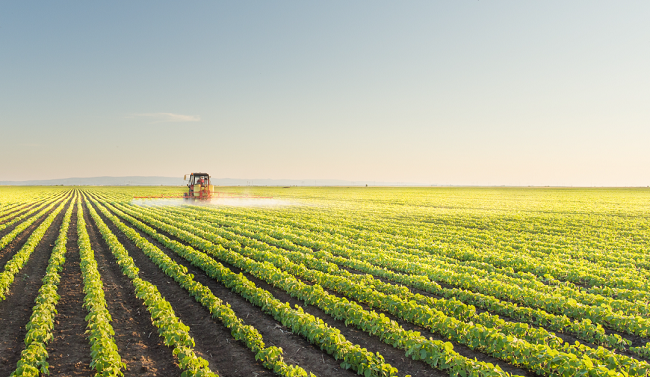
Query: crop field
column 325, row 282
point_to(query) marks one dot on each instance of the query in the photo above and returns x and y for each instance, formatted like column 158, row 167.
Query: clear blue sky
column 462, row 92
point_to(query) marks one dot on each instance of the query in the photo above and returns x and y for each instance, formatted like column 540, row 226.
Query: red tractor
column 199, row 186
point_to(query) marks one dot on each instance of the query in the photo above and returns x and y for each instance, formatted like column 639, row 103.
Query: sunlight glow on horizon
column 463, row 93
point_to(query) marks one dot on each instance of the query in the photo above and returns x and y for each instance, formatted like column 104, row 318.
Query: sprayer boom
column 199, row 187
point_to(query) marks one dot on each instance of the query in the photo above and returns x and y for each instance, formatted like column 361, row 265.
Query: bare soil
column 139, row 345
column 393, row 356
column 296, row 349
column 69, row 350
column 17, row 243
column 16, row 310
column 637, row 341
column 16, row 211
column 461, row 349
column 137, row 339
column 213, row 341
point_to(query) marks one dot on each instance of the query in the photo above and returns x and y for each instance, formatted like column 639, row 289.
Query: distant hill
column 304, row 182
column 178, row 181
column 101, row 181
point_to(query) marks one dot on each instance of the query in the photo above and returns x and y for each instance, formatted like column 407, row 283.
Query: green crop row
column 358, row 228
column 451, row 308
column 106, row 360
column 505, row 273
column 508, row 256
column 438, row 354
column 26, row 214
column 13, row 210
column 22, row 210
column 536, row 357
column 33, row 359
column 271, row 357
column 457, row 242
column 10, row 207
column 642, row 351
column 621, row 293
column 27, row 223
column 583, row 329
column 525, row 296
column 170, row 328
column 325, row 236
column 19, row 259
column 314, row 329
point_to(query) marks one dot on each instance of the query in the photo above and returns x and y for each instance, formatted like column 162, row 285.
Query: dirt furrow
column 69, row 350
column 12, row 248
column 297, row 350
column 14, row 212
column 394, row 356
column 16, row 310
column 214, row 343
column 142, row 350
column 395, row 360
column 460, row 348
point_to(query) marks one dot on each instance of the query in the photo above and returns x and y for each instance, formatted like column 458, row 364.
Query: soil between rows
column 213, row 341
column 461, row 349
column 19, row 212
column 393, row 356
column 14, row 212
column 17, row 243
column 16, row 310
column 69, row 351
column 567, row 337
column 137, row 340
column 570, row 338
column 310, row 230
column 296, row 349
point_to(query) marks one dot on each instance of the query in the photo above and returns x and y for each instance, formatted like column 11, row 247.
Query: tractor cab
column 199, row 186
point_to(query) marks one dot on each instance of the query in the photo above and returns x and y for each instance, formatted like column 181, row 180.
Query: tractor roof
column 201, row 174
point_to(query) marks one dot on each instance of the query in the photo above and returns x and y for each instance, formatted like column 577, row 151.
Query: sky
column 432, row 92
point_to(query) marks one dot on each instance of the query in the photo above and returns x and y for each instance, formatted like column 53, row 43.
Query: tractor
column 199, row 186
